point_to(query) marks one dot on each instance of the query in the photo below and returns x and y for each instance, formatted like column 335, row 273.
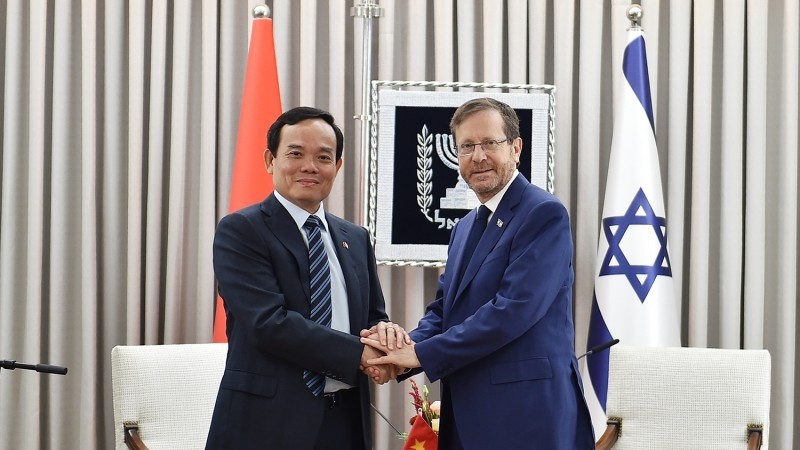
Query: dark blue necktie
column 478, row 227
column 320, row 276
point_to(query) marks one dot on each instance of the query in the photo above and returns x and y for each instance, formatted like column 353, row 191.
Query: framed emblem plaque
column 415, row 194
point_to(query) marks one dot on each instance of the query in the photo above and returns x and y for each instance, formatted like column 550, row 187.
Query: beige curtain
column 119, row 124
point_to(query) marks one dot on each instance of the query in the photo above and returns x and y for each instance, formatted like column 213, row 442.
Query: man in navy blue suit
column 500, row 334
column 293, row 382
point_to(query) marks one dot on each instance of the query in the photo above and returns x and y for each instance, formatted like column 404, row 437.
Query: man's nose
column 309, row 165
column 478, row 154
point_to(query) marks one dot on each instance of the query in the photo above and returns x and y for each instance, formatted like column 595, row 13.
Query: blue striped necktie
column 320, row 276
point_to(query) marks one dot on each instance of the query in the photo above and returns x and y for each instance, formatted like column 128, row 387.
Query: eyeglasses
column 488, row 146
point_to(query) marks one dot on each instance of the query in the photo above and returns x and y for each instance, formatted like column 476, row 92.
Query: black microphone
column 43, row 368
column 600, row 347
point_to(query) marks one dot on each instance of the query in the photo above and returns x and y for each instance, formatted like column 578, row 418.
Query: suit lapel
column 341, row 242
column 459, row 244
column 494, row 229
column 278, row 219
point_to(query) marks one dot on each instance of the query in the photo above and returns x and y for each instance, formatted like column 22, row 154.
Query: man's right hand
column 381, row 373
column 405, row 357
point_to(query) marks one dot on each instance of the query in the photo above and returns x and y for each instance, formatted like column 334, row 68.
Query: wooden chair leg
column 610, row 436
column 754, row 436
column 132, row 438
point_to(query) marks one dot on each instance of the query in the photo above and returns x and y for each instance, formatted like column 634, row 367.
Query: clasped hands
column 388, row 351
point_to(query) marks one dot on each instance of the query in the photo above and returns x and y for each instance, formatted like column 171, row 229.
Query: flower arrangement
column 425, row 409
column 424, row 434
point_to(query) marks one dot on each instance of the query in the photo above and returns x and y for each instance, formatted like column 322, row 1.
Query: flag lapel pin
column 499, row 223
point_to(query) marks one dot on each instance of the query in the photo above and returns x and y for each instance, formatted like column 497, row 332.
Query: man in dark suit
column 499, row 335
column 293, row 378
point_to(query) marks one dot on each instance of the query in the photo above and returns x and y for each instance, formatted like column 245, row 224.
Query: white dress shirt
column 340, row 318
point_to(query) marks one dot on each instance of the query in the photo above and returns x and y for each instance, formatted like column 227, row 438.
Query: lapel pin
column 344, row 244
column 499, row 223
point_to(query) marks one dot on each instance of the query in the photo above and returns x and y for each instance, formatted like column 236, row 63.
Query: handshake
column 388, row 352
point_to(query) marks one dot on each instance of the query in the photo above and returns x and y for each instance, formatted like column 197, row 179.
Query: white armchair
column 164, row 394
column 687, row 398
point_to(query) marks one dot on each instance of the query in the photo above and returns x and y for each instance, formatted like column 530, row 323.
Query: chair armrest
column 609, row 437
column 132, row 439
column 755, row 433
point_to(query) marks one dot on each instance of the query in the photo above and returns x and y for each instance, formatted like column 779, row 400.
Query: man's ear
column 268, row 160
column 517, row 148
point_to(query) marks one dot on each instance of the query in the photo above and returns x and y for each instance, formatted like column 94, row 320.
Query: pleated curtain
column 118, row 130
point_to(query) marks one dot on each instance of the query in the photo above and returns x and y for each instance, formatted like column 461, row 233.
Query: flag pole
column 634, row 289
column 261, row 105
column 367, row 10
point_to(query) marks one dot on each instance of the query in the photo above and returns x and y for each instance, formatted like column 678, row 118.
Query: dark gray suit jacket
column 261, row 265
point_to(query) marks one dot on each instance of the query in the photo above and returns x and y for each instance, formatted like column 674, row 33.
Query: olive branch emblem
column 424, row 172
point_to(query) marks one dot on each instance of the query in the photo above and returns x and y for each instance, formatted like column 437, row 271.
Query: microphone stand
column 386, row 419
column 42, row 368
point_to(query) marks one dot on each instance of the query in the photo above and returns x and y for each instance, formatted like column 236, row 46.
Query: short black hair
column 299, row 114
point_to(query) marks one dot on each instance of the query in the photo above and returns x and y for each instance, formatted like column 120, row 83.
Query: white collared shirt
column 494, row 202
column 340, row 319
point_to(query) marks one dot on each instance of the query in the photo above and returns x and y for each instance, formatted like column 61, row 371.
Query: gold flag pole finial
column 635, row 14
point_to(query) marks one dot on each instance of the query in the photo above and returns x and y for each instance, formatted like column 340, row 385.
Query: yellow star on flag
column 418, row 445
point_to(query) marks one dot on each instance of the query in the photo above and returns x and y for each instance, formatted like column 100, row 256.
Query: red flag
column 261, row 105
column 421, row 436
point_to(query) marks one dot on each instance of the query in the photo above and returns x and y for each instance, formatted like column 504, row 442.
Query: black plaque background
column 409, row 225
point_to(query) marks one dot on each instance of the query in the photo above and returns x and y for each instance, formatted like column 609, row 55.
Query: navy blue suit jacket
column 261, row 265
column 503, row 339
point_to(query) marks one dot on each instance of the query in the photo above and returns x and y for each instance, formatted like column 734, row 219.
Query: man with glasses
column 500, row 335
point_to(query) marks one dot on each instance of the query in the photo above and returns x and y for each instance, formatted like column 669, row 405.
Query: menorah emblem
column 461, row 196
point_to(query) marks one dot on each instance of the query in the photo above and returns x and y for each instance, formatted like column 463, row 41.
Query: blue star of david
column 661, row 265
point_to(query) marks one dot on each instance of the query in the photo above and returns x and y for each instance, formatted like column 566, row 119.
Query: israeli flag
column 633, row 293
